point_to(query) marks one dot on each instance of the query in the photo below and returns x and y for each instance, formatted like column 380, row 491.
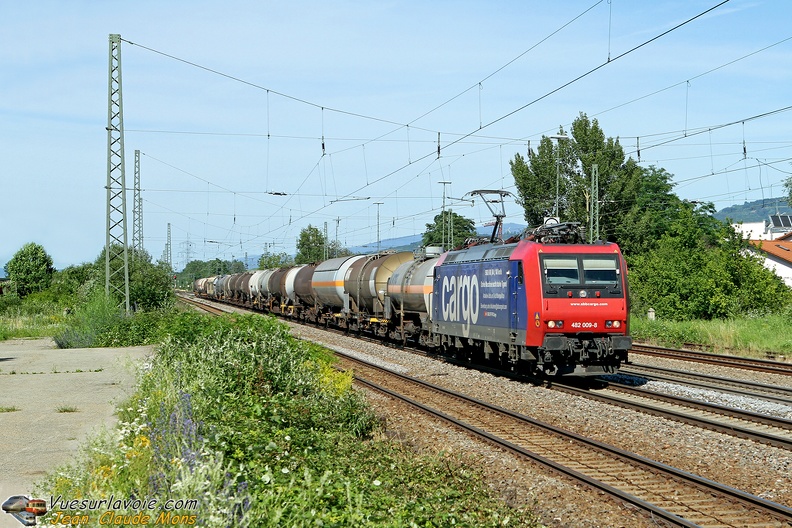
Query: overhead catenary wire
column 409, row 159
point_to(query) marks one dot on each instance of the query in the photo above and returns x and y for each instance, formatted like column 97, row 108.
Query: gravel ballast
column 752, row 467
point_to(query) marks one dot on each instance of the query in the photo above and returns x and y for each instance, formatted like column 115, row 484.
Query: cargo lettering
column 460, row 300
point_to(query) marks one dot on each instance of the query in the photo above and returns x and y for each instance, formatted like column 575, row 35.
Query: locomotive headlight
column 550, row 324
column 555, row 324
column 616, row 324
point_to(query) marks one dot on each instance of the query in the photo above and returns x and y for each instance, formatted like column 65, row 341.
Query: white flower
column 377, row 482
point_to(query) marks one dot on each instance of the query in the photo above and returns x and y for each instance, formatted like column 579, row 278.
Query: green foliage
column 274, row 260
column 788, row 187
column 645, row 207
column 150, row 285
column 73, row 284
column 536, row 181
column 30, row 269
column 700, row 269
column 457, row 229
column 755, row 211
column 310, row 246
column 198, row 269
column 89, row 321
column 259, row 427
column 752, row 336
column 141, row 328
column 9, row 303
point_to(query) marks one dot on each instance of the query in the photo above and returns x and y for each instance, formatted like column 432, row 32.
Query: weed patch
column 261, row 431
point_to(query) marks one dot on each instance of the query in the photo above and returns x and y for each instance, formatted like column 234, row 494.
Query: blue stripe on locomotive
column 480, row 300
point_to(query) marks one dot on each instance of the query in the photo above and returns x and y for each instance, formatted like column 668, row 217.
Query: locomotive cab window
column 561, row 270
column 593, row 270
column 599, row 270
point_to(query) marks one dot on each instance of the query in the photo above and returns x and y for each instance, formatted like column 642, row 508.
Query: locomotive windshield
column 600, row 270
column 592, row 269
column 561, row 270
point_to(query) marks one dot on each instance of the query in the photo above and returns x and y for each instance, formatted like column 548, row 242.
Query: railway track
column 679, row 497
column 748, row 389
column 743, row 424
column 762, row 365
column 676, row 496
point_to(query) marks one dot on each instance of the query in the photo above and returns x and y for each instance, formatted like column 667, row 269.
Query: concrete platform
column 39, row 379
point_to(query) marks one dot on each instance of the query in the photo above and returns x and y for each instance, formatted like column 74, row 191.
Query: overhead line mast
column 116, row 253
column 137, row 210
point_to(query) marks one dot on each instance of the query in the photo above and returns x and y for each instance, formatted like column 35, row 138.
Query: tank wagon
column 545, row 304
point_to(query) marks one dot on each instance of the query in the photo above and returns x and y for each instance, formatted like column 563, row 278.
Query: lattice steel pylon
column 137, row 210
column 167, row 254
column 116, row 253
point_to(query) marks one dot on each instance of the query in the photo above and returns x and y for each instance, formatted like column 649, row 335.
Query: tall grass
column 755, row 336
column 35, row 316
column 89, row 320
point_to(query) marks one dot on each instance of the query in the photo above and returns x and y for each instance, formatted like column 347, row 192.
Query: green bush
column 258, row 426
column 89, row 321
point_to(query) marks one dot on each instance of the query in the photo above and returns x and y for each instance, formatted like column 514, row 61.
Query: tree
column 536, row 182
column 30, row 269
column 788, row 187
column 457, row 230
column 561, row 172
column 310, row 246
column 274, row 260
column 150, row 285
column 700, row 269
column 197, row 269
column 644, row 207
column 74, row 283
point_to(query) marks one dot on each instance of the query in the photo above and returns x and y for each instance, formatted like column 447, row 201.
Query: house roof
column 788, row 236
column 781, row 248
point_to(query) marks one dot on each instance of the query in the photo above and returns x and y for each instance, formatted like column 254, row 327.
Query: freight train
column 539, row 304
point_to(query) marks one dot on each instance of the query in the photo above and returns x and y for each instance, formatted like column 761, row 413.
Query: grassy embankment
column 262, row 431
column 758, row 337
column 97, row 324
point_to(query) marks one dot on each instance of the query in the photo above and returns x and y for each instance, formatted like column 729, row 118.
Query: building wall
column 781, row 268
column 752, row 230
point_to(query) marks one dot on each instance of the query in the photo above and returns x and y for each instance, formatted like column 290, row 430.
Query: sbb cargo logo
column 459, row 300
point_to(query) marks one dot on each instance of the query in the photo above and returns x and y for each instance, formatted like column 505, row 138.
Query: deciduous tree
column 30, row 269
column 310, row 246
column 457, row 229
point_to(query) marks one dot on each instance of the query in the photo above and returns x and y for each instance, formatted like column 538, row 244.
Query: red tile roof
column 781, row 249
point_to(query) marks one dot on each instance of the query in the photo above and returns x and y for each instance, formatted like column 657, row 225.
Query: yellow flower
column 141, row 441
column 104, row 472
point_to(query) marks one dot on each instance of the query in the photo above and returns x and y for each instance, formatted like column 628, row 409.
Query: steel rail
column 762, row 365
column 780, row 513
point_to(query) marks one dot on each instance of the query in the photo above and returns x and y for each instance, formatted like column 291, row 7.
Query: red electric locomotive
column 540, row 305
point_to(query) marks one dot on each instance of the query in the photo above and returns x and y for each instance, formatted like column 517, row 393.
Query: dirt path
column 61, row 396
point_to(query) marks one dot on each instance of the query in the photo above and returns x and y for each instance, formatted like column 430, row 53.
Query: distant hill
column 755, row 211
column 411, row 242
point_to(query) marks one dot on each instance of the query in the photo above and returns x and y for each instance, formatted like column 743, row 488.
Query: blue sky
column 357, row 74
